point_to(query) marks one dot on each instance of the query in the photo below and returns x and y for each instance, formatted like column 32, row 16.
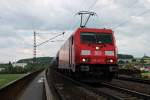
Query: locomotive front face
column 97, row 48
column 89, row 53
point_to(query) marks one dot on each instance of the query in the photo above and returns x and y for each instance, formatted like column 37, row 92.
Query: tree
column 142, row 61
column 121, row 62
column 10, row 67
column 133, row 60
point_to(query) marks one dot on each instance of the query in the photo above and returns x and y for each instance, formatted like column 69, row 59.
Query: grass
column 6, row 78
column 146, row 75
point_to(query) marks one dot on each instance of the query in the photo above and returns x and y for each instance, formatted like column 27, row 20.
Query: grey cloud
column 19, row 18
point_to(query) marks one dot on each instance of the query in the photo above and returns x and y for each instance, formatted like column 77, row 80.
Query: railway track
column 108, row 91
column 60, row 86
column 126, row 94
column 139, row 80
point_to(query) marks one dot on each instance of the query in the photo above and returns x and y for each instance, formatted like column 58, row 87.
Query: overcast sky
column 129, row 19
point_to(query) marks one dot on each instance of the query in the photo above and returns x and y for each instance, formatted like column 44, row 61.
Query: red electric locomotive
column 89, row 53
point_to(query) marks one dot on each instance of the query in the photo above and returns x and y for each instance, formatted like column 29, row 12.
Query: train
column 90, row 54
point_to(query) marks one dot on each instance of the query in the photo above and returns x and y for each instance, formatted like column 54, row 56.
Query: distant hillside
column 145, row 57
column 125, row 56
column 48, row 59
column 38, row 59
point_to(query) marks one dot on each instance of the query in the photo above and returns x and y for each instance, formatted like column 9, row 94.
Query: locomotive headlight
column 109, row 53
column 85, row 52
column 83, row 59
column 111, row 61
column 97, row 48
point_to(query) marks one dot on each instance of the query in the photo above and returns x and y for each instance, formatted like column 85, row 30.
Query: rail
column 134, row 93
column 130, row 94
column 50, row 88
column 139, row 80
column 90, row 88
column 105, row 90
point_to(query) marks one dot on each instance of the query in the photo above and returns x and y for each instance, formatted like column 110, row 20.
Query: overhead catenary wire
column 42, row 35
column 130, row 6
column 35, row 45
column 125, row 22
column 56, row 40
column 50, row 39
column 90, row 7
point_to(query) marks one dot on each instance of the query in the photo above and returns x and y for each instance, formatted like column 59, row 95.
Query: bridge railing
column 12, row 90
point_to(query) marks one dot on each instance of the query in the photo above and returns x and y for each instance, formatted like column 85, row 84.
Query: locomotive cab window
column 104, row 38
column 89, row 37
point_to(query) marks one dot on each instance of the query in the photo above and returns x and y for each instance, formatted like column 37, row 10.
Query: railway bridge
column 48, row 84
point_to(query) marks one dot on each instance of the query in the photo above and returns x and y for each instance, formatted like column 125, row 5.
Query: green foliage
column 6, row 78
column 123, row 56
column 41, row 62
column 130, row 72
column 129, row 66
column 142, row 61
column 3, row 65
column 121, row 62
column 8, row 68
column 133, row 60
column 146, row 75
column 144, row 57
column 35, row 66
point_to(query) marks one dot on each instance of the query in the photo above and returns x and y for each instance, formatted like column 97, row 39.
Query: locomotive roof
column 95, row 29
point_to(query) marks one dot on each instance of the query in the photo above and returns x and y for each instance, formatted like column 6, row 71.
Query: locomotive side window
column 89, row 37
column 72, row 40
